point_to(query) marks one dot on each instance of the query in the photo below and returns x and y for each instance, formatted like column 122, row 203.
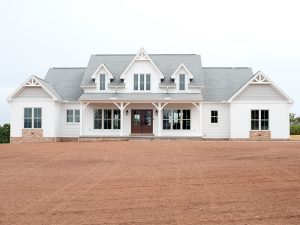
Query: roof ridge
column 67, row 67
column 148, row 54
column 226, row 67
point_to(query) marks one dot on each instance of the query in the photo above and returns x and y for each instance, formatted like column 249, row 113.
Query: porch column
column 199, row 107
column 159, row 108
column 121, row 107
column 82, row 107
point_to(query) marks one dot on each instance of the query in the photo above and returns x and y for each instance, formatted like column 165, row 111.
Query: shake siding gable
column 260, row 92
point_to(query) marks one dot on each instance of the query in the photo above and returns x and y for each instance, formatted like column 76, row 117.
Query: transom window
column 73, row 115
column 141, row 82
column 259, row 119
column 177, row 119
column 182, row 82
column 32, row 117
column 102, row 82
column 107, row 119
column 214, row 116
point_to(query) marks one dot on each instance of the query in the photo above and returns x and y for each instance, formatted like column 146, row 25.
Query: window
column 73, row 116
column 148, row 80
column 98, row 119
column 140, row 83
column 102, row 82
column 136, row 82
column 117, row 119
column 214, row 116
column 107, row 119
column 177, row 119
column 32, row 118
column 182, row 82
column 259, row 119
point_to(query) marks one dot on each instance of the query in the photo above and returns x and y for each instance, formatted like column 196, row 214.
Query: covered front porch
column 101, row 119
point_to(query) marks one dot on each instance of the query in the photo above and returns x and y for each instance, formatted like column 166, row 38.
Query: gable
column 28, row 93
column 260, row 92
column 141, row 56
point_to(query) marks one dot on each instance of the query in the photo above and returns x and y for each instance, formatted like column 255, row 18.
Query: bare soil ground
column 150, row 182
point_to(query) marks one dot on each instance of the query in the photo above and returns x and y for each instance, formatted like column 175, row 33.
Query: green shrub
column 295, row 129
column 4, row 133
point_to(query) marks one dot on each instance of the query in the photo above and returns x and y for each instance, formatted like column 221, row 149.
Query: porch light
column 156, row 112
column 126, row 112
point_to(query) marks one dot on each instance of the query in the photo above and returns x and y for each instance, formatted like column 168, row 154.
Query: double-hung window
column 181, row 82
column 73, row 116
column 177, row 119
column 259, row 119
column 141, row 82
column 107, row 119
column 32, row 117
column 102, row 82
column 214, row 116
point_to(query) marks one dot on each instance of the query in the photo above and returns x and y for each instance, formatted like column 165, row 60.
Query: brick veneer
column 32, row 135
column 259, row 135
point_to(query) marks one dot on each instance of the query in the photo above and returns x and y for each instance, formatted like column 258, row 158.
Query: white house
column 157, row 95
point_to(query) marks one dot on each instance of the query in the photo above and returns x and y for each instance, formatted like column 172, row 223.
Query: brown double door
column 142, row 121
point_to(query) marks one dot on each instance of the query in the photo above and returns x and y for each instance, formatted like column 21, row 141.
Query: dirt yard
column 150, row 182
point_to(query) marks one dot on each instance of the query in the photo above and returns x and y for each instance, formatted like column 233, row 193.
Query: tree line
column 295, row 124
column 4, row 133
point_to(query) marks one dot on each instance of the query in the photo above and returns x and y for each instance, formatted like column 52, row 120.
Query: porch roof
column 171, row 97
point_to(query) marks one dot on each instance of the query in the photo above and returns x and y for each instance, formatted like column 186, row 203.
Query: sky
column 261, row 34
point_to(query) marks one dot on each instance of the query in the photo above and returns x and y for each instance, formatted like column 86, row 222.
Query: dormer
column 182, row 77
column 102, row 77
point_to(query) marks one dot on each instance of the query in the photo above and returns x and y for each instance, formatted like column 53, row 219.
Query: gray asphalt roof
column 142, row 96
column 166, row 63
column 66, row 82
column 221, row 83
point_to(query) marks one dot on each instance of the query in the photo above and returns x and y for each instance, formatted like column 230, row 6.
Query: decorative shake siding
column 33, row 93
column 260, row 92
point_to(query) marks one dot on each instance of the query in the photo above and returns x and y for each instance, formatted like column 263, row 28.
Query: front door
column 141, row 121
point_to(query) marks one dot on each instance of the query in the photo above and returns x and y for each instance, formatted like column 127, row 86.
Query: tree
column 4, row 133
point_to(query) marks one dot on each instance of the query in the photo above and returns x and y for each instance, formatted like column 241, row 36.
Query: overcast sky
column 36, row 35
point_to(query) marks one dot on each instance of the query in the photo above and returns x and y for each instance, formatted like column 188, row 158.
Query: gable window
column 32, row 117
column 141, row 82
column 182, row 82
column 259, row 119
column 73, row 116
column 214, row 116
column 177, row 119
column 102, row 82
column 107, row 119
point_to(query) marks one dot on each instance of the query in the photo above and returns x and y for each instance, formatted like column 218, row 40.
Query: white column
column 122, row 119
column 159, row 119
column 201, row 119
column 81, row 119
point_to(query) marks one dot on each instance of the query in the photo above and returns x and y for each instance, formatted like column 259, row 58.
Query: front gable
column 32, row 88
column 260, row 88
column 142, row 59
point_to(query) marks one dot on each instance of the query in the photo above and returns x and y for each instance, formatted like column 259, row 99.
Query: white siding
column 67, row 129
column 241, row 119
column 220, row 129
column 32, row 93
column 48, row 117
column 260, row 92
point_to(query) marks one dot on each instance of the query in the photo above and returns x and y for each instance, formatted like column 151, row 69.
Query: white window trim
column 145, row 82
column 102, row 119
column 181, row 120
column 32, row 117
column 218, row 117
column 259, row 119
column 73, row 116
